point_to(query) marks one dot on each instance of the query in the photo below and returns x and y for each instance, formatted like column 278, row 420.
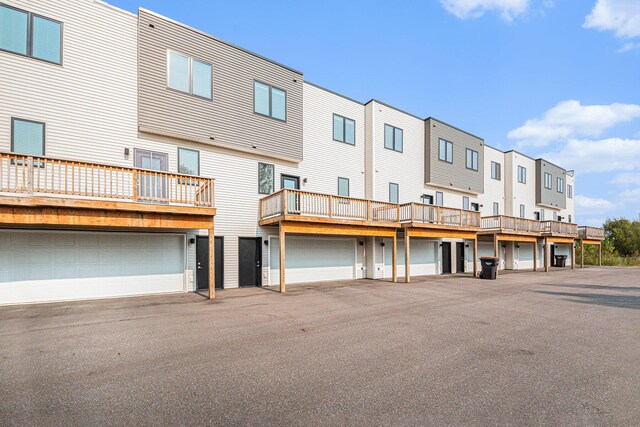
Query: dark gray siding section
column 456, row 175
column 229, row 118
column 551, row 197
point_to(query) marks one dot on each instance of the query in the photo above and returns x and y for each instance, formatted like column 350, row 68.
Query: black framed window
column 465, row 203
column 439, row 198
column 343, row 187
column 31, row 35
column 427, row 199
column 522, row 175
column 188, row 161
column 472, row 159
column 269, row 101
column 445, row 151
column 475, row 207
column 394, row 193
column 496, row 171
column 344, row 130
column 266, row 178
column 27, row 137
column 393, row 138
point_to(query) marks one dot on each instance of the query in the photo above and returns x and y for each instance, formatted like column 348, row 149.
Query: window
column 427, row 199
column 27, row 137
column 188, row 161
column 522, row 175
column 393, row 138
column 465, row 203
column 344, row 130
column 475, row 207
column 541, row 214
column 496, row 171
column 548, row 179
column 555, row 216
column 560, row 185
column 570, row 192
column 343, row 187
column 394, row 193
column 439, row 198
column 472, row 159
column 496, row 209
column 30, row 35
column 522, row 212
column 445, row 151
column 189, row 75
column 269, row 101
column 570, row 218
column 266, row 178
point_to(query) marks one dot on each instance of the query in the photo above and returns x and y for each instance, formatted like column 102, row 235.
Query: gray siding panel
column 456, row 175
column 229, row 117
column 550, row 197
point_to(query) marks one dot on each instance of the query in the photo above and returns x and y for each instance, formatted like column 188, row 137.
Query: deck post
column 600, row 254
column 495, row 251
column 475, row 256
column 212, row 263
column 407, row 256
column 573, row 254
column 395, row 258
column 547, row 254
column 282, row 258
column 535, row 256
column 581, row 253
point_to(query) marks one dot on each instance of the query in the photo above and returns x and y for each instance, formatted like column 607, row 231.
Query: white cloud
column 593, row 205
column 620, row 16
column 570, row 119
column 468, row 9
column 629, row 46
column 631, row 195
column 626, row 179
column 605, row 155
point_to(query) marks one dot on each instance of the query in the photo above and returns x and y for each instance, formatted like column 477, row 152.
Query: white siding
column 518, row 193
column 494, row 190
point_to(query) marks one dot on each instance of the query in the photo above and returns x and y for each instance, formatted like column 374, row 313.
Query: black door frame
column 460, row 260
column 258, row 261
column 219, row 271
column 283, row 176
column 446, row 245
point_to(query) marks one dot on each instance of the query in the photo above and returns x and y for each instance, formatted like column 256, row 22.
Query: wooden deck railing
column 429, row 214
column 595, row 233
column 304, row 203
column 510, row 223
column 46, row 176
column 557, row 227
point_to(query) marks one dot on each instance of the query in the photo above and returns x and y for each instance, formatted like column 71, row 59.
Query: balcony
column 297, row 205
column 560, row 229
column 31, row 181
column 590, row 233
column 511, row 225
column 420, row 215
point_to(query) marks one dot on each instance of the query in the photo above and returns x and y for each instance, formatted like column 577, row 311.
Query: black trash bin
column 489, row 267
column 561, row 260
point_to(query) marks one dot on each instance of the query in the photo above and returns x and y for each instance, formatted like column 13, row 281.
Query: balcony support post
column 547, row 254
column 600, row 255
column 535, row 256
column 581, row 253
column 475, row 257
column 573, row 255
column 407, row 256
column 495, row 251
column 212, row 263
column 395, row 257
column 282, row 257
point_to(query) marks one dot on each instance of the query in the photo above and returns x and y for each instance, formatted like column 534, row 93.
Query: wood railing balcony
column 318, row 205
column 509, row 223
column 555, row 228
column 438, row 215
column 23, row 175
column 590, row 233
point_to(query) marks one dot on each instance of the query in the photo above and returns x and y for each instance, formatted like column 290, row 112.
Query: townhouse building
column 139, row 155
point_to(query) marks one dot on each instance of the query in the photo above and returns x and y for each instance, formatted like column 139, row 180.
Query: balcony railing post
column 30, row 175
column 438, row 215
column 330, row 205
column 134, row 194
column 369, row 216
column 285, row 199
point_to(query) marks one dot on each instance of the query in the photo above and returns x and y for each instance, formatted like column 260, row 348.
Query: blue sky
column 557, row 78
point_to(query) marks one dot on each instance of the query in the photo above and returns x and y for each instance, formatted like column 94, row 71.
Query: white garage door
column 313, row 259
column 424, row 259
column 53, row 266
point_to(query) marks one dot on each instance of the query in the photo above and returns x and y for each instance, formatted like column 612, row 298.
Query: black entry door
column 553, row 255
column 459, row 257
column 250, row 252
column 202, row 262
column 446, row 257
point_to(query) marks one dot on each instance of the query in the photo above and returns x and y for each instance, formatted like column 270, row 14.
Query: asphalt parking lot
column 559, row 348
